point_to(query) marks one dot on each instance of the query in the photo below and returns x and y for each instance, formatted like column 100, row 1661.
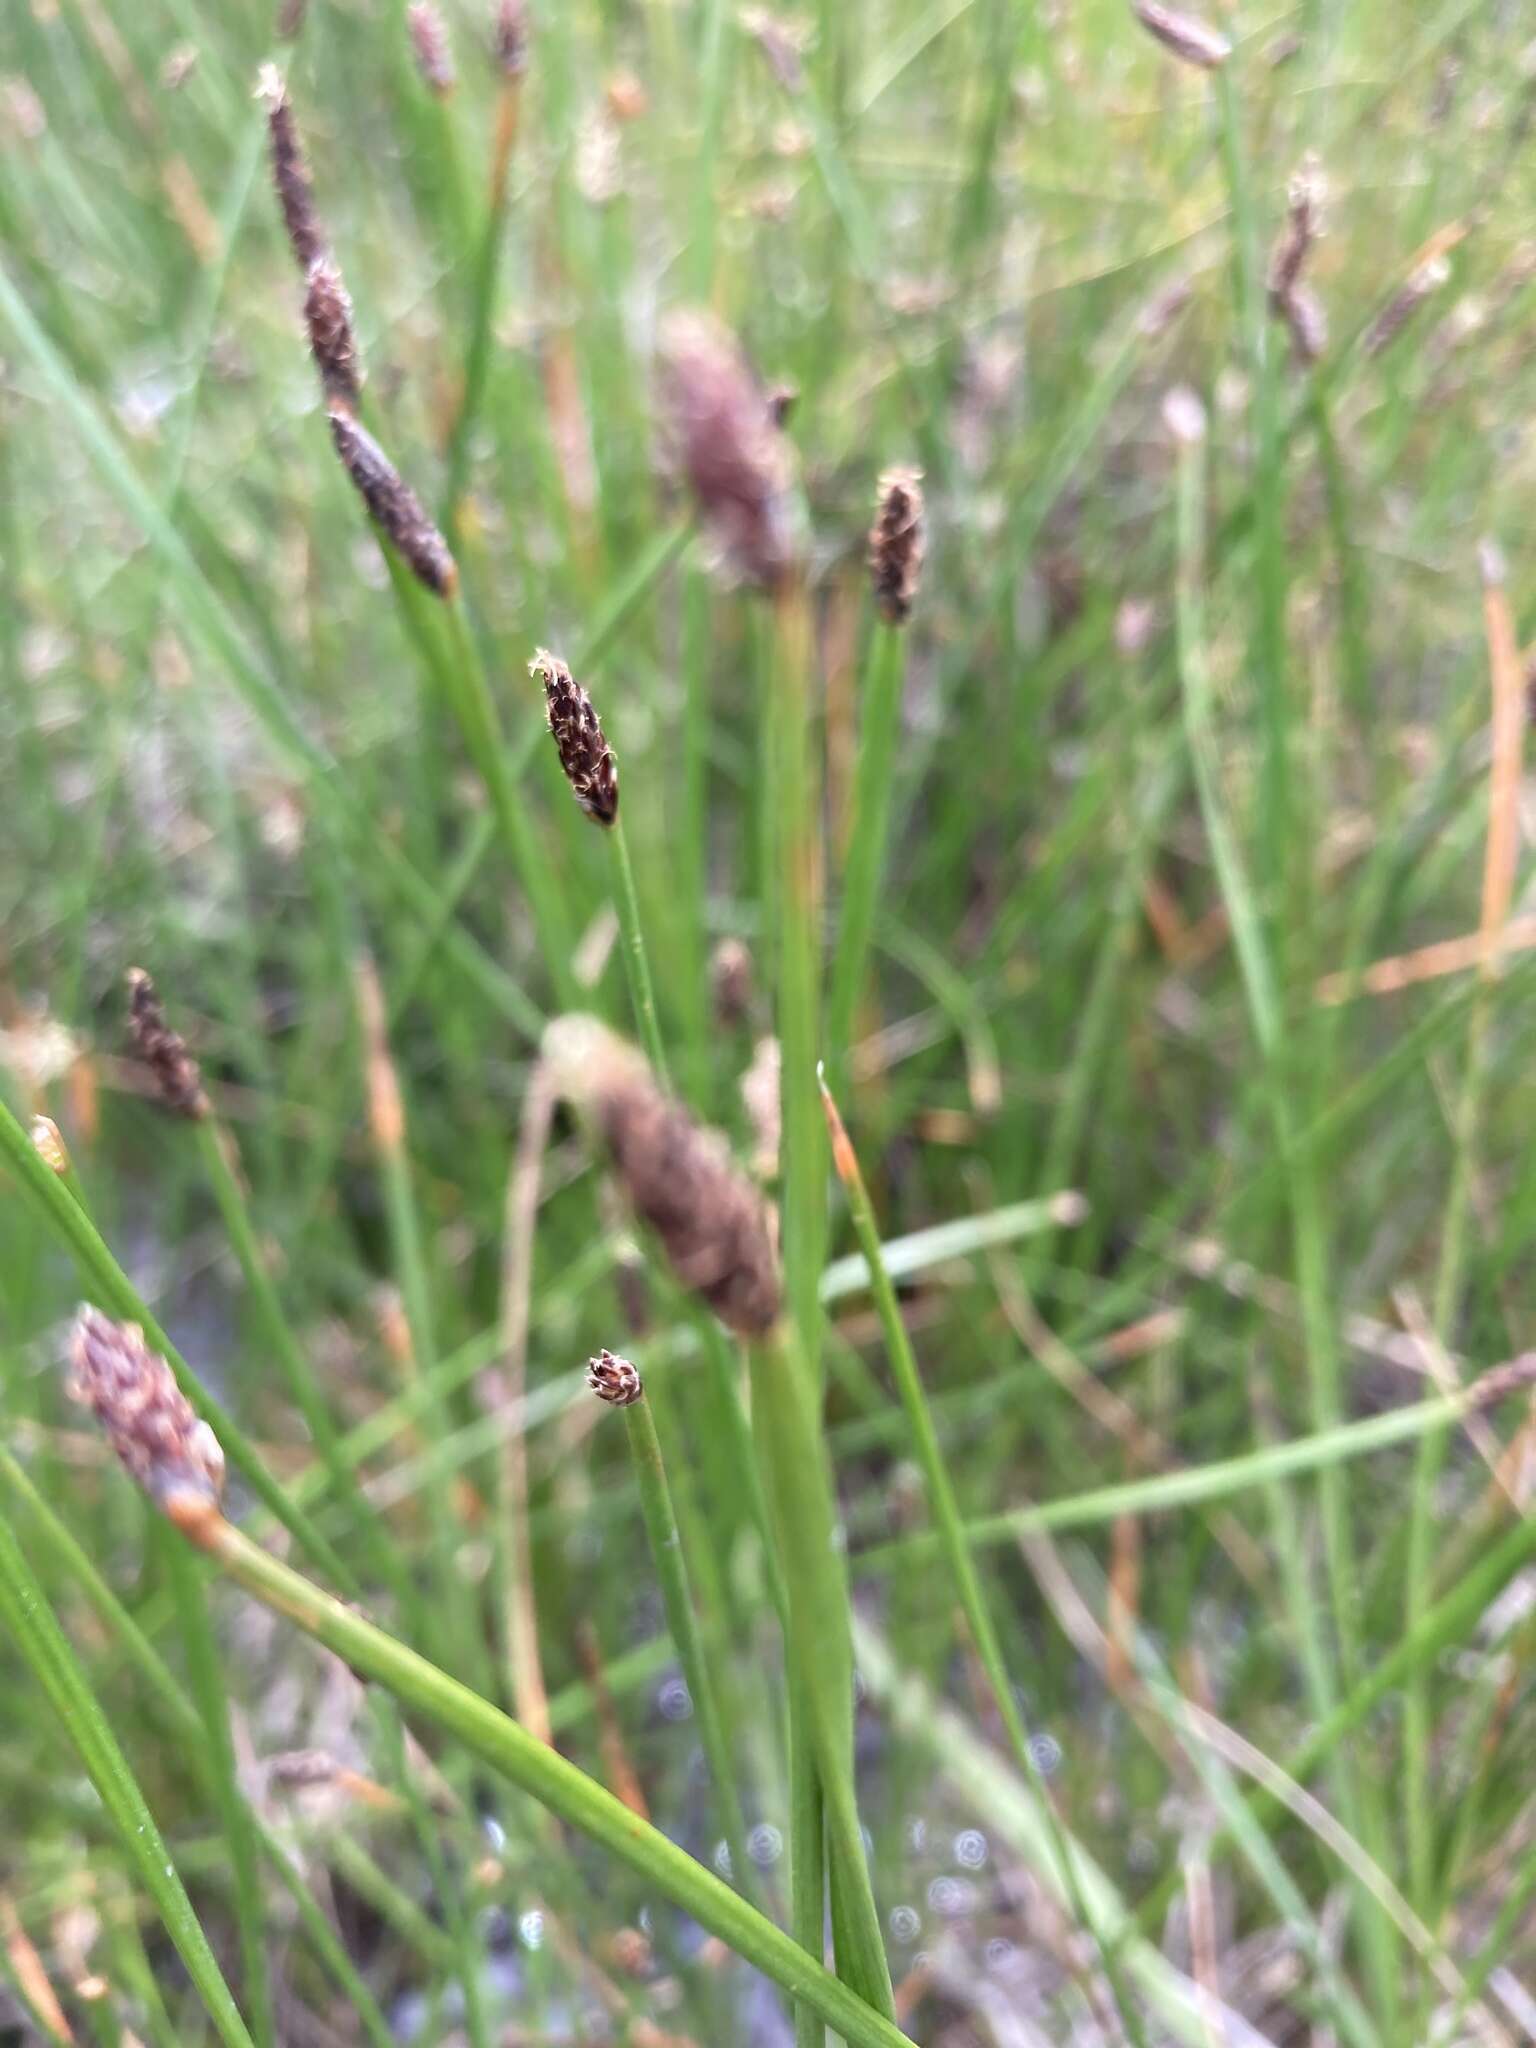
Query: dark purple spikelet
column 178, row 1079
column 396, row 510
column 1290, row 299
column 614, row 1379
column 680, row 1178
column 1191, row 40
column 290, row 173
column 726, row 439
column 511, row 37
column 332, row 340
column 896, row 544
column 585, row 755
column 148, row 1420
column 1422, row 282
column 429, row 43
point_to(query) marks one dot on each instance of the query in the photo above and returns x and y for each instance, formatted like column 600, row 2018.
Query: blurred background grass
column 988, row 239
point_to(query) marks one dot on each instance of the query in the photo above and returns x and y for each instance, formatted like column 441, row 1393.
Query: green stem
column 864, row 868
column 546, row 1777
column 637, row 966
column 672, row 1575
column 25, row 1611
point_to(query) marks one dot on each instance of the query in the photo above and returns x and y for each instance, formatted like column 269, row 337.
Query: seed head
column 1192, row 40
column 727, row 442
column 1303, row 225
column 290, row 173
column 511, row 40
column 148, row 1420
column 1421, row 283
column 332, row 342
column 396, row 510
column 48, row 1144
column 164, row 1051
column 896, row 544
column 730, row 980
column 585, row 755
column 429, row 41
column 614, row 1379
column 680, row 1178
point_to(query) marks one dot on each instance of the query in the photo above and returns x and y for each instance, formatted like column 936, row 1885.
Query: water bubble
column 952, row 1897
column 1001, row 1955
column 1046, row 1751
column 531, row 1927
column 905, row 1923
column 917, row 1834
column 765, row 1845
column 722, row 1859
column 675, row 1700
column 495, row 1833
column 971, row 1850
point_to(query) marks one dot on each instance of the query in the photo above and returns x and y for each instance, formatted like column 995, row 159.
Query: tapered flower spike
column 1191, row 40
column 585, row 755
column 332, row 341
column 178, row 1078
column 395, row 507
column 896, row 544
column 511, row 37
column 726, row 440
column 679, row 1176
column 429, row 44
column 148, row 1420
column 614, row 1379
column 290, row 173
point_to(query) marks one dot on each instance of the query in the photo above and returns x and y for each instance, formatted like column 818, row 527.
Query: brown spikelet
column 614, row 1379
column 680, row 1178
column 896, row 543
column 511, row 38
column 148, row 1420
column 178, row 1080
column 397, row 511
column 1190, row 39
column 727, row 443
column 585, row 755
column 1497, row 1384
column 1291, row 300
column 290, row 173
column 332, row 342
column 1422, row 282
column 730, row 981
column 429, row 43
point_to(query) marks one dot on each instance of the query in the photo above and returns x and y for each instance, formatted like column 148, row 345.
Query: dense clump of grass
column 1031, row 1068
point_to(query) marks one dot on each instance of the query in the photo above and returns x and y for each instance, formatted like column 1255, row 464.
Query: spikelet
column 1191, row 40
column 731, row 982
column 511, row 37
column 896, row 544
column 1292, row 301
column 727, row 443
column 429, row 44
column 178, row 1080
column 148, row 1420
column 332, row 342
column 290, row 173
column 614, row 1379
column 1422, row 282
column 680, row 1178
column 585, row 755
column 396, row 510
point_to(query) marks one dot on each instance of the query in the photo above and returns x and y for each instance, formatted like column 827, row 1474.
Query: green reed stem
column 953, row 1540
column 637, row 965
column 677, row 1600
column 25, row 1611
column 482, row 307
column 864, row 867
column 546, row 1777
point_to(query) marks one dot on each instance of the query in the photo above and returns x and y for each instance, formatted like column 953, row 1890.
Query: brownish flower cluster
column 680, row 1177
column 896, row 544
column 1191, row 40
column 429, row 43
column 148, row 1420
column 614, row 1379
column 1290, row 299
column 178, row 1079
column 396, row 510
column 585, row 755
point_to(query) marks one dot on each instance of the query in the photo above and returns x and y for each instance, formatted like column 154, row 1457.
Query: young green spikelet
column 178, row 1078
column 613, row 1379
column 585, row 755
column 897, row 541
column 726, row 440
column 679, row 1176
column 393, row 505
column 148, row 1420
